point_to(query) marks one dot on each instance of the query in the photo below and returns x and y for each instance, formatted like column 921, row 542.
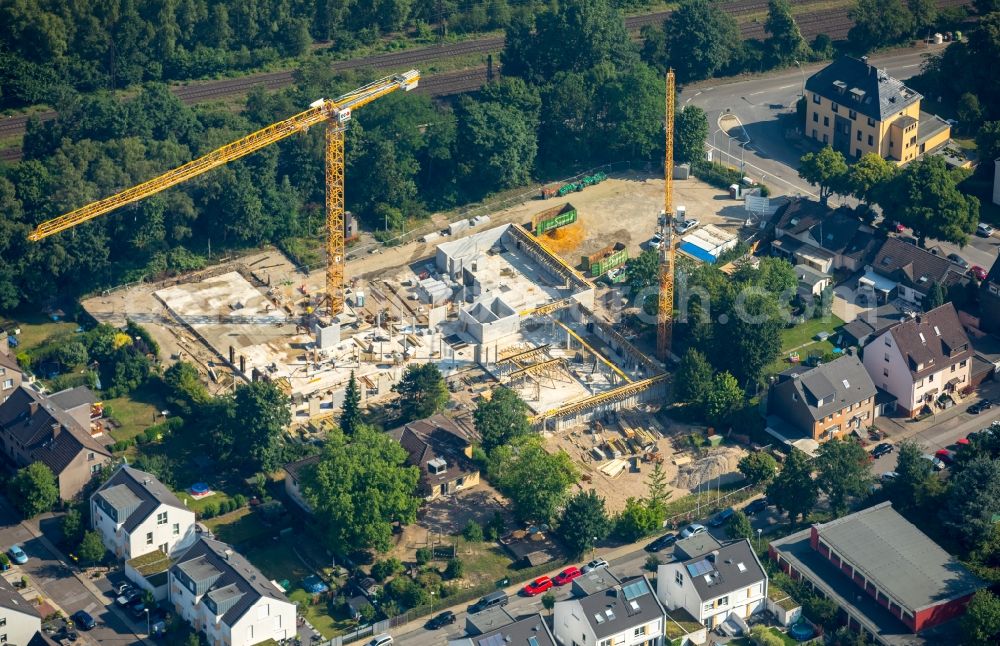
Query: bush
column 473, row 532
column 716, row 174
column 762, row 636
column 210, row 511
column 382, row 570
column 424, row 555
column 454, row 569
column 652, row 563
column 240, row 501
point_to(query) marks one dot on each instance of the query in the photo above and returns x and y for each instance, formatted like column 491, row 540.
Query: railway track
column 832, row 22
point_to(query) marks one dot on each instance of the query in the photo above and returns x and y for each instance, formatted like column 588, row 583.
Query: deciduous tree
column 723, row 399
column 879, row 22
column 793, row 489
column 972, row 502
column 924, row 196
column 700, row 39
column 690, row 134
column 91, row 550
column 422, row 392
column 827, row 169
column 758, row 467
column 535, row 480
column 261, row 416
column 638, row 519
column 739, row 526
column 868, row 175
column 785, row 42
column 584, row 520
column 693, row 379
column 501, row 418
column 843, row 473
column 33, row 489
column 981, row 622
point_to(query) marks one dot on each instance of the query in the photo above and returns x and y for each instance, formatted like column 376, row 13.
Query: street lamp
column 759, row 530
column 593, row 546
column 713, row 144
column 803, row 75
column 146, row 610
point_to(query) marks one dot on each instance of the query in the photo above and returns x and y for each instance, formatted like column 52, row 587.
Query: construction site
column 513, row 298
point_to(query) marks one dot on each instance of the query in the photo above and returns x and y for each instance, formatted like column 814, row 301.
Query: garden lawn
column 484, row 562
column 198, row 506
column 802, row 339
column 135, row 412
column 238, row 527
column 35, row 329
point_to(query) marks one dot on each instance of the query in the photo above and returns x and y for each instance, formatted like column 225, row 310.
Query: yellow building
column 857, row 108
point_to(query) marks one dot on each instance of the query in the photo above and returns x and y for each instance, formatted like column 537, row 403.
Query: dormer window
column 437, row 466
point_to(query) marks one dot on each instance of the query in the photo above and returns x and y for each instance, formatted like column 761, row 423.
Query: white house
column 713, row 586
column 920, row 359
column 136, row 514
column 19, row 620
column 627, row 614
column 221, row 594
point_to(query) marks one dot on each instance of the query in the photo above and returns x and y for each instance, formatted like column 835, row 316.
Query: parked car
column 17, row 555
column 538, row 586
column 655, row 242
column 882, row 449
column 755, row 506
column 958, row 260
column 492, row 600
column 946, row 456
column 127, row 596
column 978, row 272
column 897, row 227
column 935, row 461
column 720, row 518
column 596, row 564
column 980, row 406
column 888, row 476
column 442, row 620
column 381, row 640
column 984, row 230
column 122, row 588
column 692, row 530
column 567, row 575
column 83, row 620
column 662, row 542
column 685, row 226
column 137, row 608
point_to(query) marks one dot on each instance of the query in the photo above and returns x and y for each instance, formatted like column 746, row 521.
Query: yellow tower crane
column 334, row 112
column 665, row 310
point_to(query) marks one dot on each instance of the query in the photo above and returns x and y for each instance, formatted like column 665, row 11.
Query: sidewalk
column 901, row 429
column 98, row 594
column 513, row 590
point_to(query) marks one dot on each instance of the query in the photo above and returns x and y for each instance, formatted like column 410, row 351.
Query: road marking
column 785, row 87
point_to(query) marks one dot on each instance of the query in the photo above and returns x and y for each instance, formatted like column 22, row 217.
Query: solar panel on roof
column 699, row 568
column 635, row 589
column 532, row 641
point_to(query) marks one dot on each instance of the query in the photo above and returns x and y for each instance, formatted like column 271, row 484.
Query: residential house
column 53, row 430
column 11, row 375
column 920, row 359
column 530, row 631
column 628, row 614
column 443, row 452
column 712, row 587
column 136, row 514
column 857, row 108
column 20, row 622
column 907, row 271
column 811, row 234
column 868, row 325
column 811, row 283
column 824, row 403
column 889, row 579
column 293, row 479
column 220, row 593
column 989, row 300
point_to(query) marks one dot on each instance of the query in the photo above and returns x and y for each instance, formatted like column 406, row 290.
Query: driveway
column 55, row 581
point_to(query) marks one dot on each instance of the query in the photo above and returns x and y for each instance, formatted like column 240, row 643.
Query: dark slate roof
column 873, row 322
column 697, row 545
column 931, row 341
column 146, row 491
column 898, row 557
column 842, row 382
column 295, row 469
column 210, row 557
column 809, row 276
column 73, row 397
column 621, row 607
column 433, row 438
column 914, row 267
column 930, row 125
column 856, row 85
column 530, row 631
column 12, row 600
column 731, row 568
column 47, row 433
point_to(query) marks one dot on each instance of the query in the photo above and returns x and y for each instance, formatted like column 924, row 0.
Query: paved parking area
column 56, row 582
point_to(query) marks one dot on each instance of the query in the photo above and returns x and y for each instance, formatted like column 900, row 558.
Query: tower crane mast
column 334, row 113
column 665, row 301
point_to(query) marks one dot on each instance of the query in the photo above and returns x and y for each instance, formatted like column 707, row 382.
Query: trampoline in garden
column 314, row 585
column 200, row 490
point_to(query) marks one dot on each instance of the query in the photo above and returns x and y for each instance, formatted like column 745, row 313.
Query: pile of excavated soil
column 716, row 465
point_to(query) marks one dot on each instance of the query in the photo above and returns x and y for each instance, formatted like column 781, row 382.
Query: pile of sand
column 564, row 239
column 718, row 465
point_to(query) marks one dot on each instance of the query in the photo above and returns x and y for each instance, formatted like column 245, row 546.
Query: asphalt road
column 55, row 581
column 759, row 105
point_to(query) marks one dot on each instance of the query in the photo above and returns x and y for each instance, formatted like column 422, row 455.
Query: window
column 930, row 378
column 161, row 518
column 815, row 98
column 164, row 548
column 826, row 139
column 149, row 538
column 678, row 578
column 8, row 383
column 857, row 152
column 871, row 122
column 3, row 621
column 816, row 117
column 859, row 135
column 177, row 529
column 724, row 601
column 814, row 133
column 852, row 114
column 885, row 372
column 964, row 361
column 888, row 343
column 887, row 357
column 826, row 121
column 95, row 468
column 606, row 642
column 953, row 367
column 834, row 107
column 3, row 638
column 871, row 140
column 641, row 630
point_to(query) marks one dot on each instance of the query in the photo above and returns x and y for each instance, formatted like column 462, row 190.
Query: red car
column 978, row 272
column 567, row 575
column 538, row 586
column 945, row 456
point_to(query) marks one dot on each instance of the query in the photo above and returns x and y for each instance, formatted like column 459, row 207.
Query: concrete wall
column 159, row 592
column 452, row 257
